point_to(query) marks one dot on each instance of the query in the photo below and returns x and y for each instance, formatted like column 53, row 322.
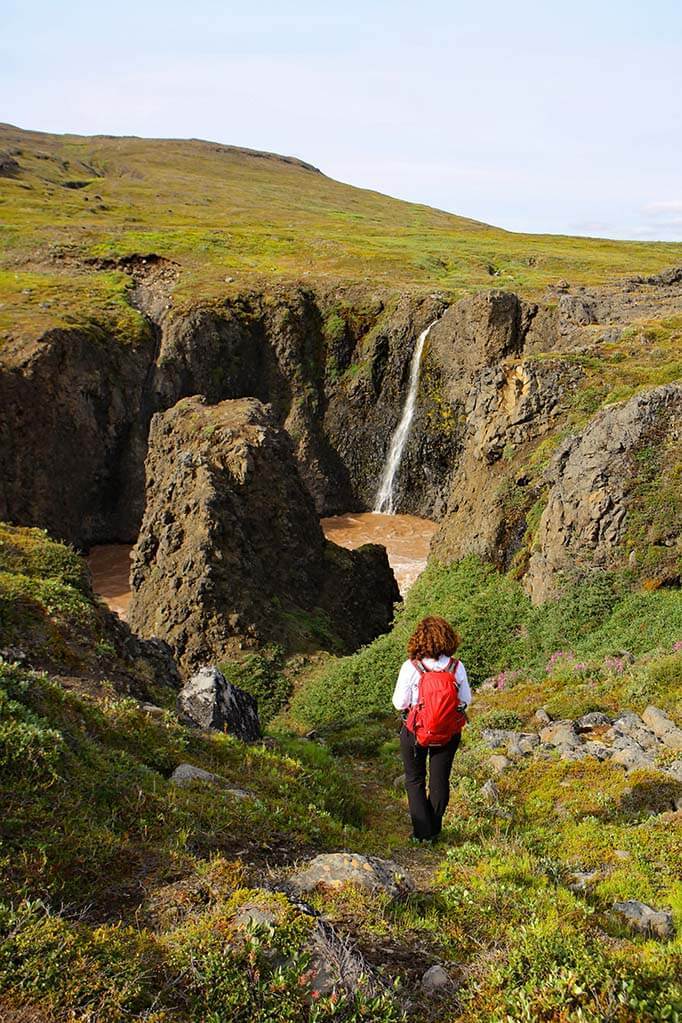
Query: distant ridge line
column 219, row 147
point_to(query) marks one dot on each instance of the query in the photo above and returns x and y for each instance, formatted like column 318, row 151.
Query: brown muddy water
column 405, row 537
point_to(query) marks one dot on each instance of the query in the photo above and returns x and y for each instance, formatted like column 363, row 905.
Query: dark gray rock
column 231, row 554
column 208, row 700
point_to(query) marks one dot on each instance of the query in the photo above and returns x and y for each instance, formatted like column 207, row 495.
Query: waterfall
column 384, row 499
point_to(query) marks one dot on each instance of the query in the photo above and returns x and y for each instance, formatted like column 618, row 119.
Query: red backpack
column 437, row 715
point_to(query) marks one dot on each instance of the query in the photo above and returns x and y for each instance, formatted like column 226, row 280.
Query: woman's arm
column 463, row 687
column 402, row 694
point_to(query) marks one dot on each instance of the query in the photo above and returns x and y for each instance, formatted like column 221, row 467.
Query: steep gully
column 406, row 537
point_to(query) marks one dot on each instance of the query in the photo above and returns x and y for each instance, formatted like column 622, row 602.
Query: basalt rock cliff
column 231, row 554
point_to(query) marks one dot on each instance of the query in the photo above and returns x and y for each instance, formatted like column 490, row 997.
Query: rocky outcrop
column 231, row 553
column 591, row 480
column 208, row 700
column 629, row 741
column 503, row 400
column 73, row 434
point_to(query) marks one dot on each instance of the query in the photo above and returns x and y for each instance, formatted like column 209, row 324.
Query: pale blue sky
column 561, row 117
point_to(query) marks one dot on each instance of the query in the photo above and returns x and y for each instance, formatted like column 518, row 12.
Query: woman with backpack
column 433, row 691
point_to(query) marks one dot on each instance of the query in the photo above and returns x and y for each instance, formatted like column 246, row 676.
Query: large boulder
column 592, row 483
column 208, row 700
column 231, row 553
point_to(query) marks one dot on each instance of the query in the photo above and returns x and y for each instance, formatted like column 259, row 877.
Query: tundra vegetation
column 123, row 894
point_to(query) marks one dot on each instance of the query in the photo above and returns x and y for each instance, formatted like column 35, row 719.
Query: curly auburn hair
column 432, row 637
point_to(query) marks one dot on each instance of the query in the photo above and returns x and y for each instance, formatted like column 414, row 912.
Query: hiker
column 433, row 692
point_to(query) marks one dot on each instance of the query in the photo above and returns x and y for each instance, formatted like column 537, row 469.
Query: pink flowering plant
column 564, row 664
column 506, row 679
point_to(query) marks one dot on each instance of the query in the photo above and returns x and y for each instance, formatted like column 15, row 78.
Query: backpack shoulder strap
column 418, row 666
column 452, row 666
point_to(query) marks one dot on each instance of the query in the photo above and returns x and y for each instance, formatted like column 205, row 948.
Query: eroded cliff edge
column 504, row 382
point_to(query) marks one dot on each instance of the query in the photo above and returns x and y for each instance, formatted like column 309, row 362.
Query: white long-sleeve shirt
column 406, row 692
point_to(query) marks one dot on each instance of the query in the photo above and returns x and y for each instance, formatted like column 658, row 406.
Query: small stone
column 582, row 880
column 251, row 915
column 632, row 759
column 573, row 753
column 673, row 739
column 514, row 750
column 675, row 770
column 598, row 750
column 595, row 719
column 185, row 774
column 498, row 763
column 645, row 919
column 498, row 738
column 435, row 981
column 541, row 717
column 622, row 854
column 489, row 791
column 209, row 700
column 658, row 721
column 399, row 781
column 152, row 710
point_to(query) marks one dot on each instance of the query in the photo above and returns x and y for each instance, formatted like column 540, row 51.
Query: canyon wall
column 502, row 379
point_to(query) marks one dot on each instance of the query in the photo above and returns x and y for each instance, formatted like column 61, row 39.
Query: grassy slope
column 120, row 891
column 223, row 212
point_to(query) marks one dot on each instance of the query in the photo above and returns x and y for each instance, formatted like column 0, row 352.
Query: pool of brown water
column 405, row 537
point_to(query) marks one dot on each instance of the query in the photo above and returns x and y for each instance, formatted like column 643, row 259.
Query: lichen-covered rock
column 595, row 719
column 231, row 553
column 498, row 763
column 632, row 758
column 334, row 870
column 664, row 727
column 642, row 918
column 591, row 484
column 209, row 700
column 657, row 720
column 561, row 734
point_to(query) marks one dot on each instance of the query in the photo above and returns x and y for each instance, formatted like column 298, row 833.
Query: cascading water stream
column 384, row 500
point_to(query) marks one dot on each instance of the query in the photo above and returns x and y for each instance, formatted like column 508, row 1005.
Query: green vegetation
column 121, row 892
column 228, row 217
column 500, row 630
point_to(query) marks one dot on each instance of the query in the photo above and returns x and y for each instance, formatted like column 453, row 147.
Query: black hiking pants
column 427, row 811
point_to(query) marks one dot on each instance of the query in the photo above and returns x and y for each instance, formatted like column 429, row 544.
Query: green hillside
column 228, row 216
